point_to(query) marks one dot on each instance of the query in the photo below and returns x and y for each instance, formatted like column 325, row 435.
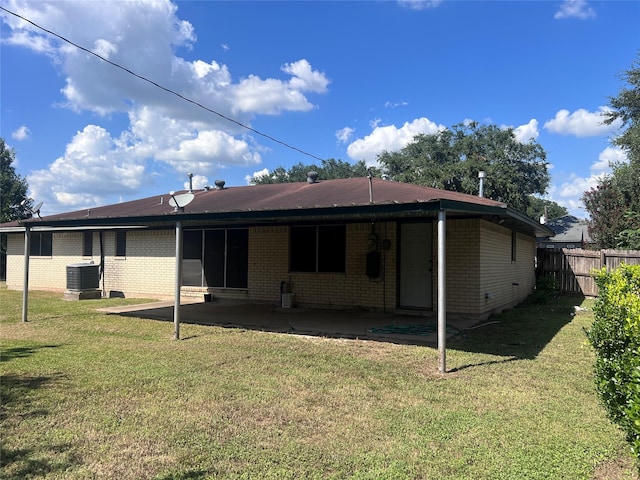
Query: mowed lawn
column 87, row 395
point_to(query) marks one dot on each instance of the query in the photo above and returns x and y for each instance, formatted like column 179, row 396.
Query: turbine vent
column 312, row 177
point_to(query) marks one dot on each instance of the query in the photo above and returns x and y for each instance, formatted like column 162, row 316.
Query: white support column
column 442, row 292
column 25, row 283
column 178, row 280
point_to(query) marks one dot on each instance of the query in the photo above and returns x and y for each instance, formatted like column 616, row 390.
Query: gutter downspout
column 104, row 293
column 178, row 280
column 442, row 292
column 25, row 284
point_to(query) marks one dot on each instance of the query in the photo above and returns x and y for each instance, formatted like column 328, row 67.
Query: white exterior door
column 416, row 265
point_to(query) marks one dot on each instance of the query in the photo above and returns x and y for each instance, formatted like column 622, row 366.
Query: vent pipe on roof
column 312, row 177
column 370, row 177
column 190, row 175
column 543, row 218
column 219, row 184
column 482, row 175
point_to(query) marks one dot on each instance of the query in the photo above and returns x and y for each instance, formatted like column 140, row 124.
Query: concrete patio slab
column 395, row 327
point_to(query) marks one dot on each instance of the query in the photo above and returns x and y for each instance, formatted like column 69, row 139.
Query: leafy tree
column 630, row 237
column 614, row 204
column 14, row 204
column 614, row 207
column 452, row 158
column 327, row 170
column 626, row 107
column 539, row 207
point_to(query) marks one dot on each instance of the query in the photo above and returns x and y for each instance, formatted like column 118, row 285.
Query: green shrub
column 615, row 336
column 545, row 290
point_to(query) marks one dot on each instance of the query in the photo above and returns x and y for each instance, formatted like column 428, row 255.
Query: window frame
column 87, row 243
column 121, row 243
column 36, row 244
column 318, row 248
column 223, row 258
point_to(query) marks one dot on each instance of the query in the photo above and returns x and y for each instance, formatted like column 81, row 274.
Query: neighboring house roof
column 569, row 229
column 353, row 198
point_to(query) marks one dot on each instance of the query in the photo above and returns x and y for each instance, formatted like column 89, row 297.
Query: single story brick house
column 360, row 243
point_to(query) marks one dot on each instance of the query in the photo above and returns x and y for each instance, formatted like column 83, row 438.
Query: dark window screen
column 216, row 258
column 41, row 244
column 87, row 244
column 237, row 258
column 121, row 243
column 318, row 248
column 303, row 249
column 332, row 248
column 214, row 253
column 192, row 258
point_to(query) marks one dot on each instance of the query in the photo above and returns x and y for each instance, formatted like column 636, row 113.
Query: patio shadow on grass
column 519, row 333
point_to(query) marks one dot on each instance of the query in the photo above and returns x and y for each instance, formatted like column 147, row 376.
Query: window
column 513, row 246
column 87, row 244
column 121, row 243
column 216, row 258
column 41, row 244
column 318, row 248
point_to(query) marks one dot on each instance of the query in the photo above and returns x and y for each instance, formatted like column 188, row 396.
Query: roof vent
column 219, row 184
column 312, row 177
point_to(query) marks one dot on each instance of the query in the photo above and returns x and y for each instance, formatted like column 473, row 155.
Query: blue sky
column 335, row 79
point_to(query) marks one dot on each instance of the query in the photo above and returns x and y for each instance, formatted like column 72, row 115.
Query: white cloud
column 569, row 193
column 273, row 96
column 581, row 123
column 207, row 150
column 609, row 156
column 104, row 48
column 392, row 105
column 163, row 130
column 22, row 133
column 143, row 36
column 260, row 173
column 93, row 167
column 528, row 132
column 184, row 145
column 198, row 182
column 419, row 4
column 575, row 9
column 305, row 78
column 389, row 138
column 343, row 135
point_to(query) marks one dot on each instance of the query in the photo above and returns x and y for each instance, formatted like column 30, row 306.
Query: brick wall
column 463, row 265
column 147, row 269
column 478, row 263
column 505, row 281
column 45, row 273
column 269, row 266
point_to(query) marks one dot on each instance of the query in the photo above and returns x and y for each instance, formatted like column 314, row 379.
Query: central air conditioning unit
column 83, row 281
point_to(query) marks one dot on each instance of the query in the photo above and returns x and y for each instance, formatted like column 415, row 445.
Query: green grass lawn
column 86, row 395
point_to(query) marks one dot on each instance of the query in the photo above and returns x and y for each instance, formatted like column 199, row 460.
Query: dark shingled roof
column 569, row 229
column 284, row 200
column 281, row 196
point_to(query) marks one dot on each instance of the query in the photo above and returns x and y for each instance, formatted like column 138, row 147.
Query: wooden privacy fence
column 571, row 267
